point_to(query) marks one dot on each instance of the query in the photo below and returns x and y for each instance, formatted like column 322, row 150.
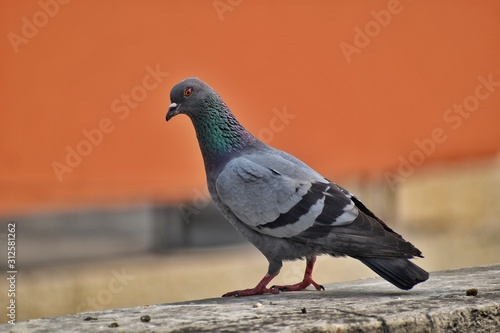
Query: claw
column 317, row 286
column 231, row 294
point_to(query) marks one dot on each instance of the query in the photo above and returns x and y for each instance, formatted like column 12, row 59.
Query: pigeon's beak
column 173, row 110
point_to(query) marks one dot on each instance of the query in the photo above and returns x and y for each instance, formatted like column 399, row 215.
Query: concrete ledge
column 370, row 305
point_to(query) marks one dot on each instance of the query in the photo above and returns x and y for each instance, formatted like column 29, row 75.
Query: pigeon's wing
column 277, row 196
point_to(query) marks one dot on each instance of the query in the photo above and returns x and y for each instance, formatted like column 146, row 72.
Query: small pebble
column 146, row 319
column 471, row 292
column 257, row 305
column 304, row 310
column 114, row 324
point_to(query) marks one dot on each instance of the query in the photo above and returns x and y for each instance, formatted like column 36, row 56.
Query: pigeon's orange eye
column 188, row 92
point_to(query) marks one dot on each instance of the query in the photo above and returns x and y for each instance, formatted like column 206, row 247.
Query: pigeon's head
column 188, row 97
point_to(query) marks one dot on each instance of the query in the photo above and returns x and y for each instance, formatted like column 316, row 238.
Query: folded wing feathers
column 273, row 203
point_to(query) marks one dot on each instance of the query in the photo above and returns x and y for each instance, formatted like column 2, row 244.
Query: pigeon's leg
column 260, row 288
column 306, row 282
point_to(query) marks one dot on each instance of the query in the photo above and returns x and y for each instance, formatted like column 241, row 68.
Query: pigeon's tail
column 399, row 271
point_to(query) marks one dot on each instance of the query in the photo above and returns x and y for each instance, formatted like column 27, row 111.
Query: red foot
column 300, row 286
column 258, row 290
column 251, row 292
column 306, row 282
column 261, row 287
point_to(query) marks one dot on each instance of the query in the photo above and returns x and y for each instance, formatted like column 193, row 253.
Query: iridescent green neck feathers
column 219, row 133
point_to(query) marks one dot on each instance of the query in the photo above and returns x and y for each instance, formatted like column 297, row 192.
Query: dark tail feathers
column 399, row 271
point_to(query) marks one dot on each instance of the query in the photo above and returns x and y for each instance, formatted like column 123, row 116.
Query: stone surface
column 370, row 305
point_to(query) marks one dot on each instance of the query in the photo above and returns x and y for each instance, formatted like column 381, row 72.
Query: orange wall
column 359, row 101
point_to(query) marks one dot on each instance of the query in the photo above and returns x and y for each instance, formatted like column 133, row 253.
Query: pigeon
column 286, row 209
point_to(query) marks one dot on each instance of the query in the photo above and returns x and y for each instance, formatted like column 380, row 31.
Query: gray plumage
column 281, row 205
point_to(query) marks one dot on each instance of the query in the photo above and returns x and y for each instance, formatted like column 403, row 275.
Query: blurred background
column 399, row 101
